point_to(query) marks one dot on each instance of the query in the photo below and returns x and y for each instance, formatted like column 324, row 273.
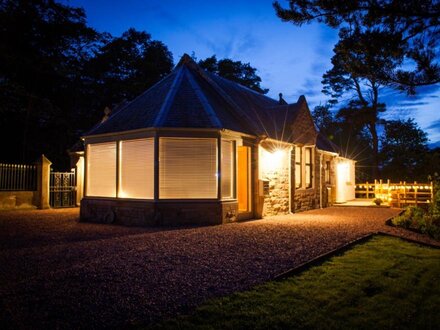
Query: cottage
column 199, row 149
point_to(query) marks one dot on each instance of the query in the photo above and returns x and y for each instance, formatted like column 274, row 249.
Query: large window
column 187, row 168
column 136, row 169
column 227, row 169
column 298, row 167
column 101, row 169
column 308, row 167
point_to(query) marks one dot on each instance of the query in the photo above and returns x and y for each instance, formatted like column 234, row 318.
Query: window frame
column 308, row 165
column 298, row 167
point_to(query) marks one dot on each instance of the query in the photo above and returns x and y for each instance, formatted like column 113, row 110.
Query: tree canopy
column 57, row 75
column 404, row 149
column 412, row 25
column 242, row 73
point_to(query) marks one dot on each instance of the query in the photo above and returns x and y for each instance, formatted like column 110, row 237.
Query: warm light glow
column 344, row 171
column 272, row 160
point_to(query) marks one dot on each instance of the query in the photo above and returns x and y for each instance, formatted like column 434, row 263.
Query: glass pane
column 227, row 168
column 297, row 175
column 308, row 176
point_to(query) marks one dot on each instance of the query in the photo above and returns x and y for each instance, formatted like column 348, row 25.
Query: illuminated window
column 327, row 172
column 298, row 168
column 187, row 168
column 101, row 169
column 227, row 169
column 308, row 167
column 136, row 169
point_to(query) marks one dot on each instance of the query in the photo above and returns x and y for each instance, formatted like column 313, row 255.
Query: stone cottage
column 199, row 149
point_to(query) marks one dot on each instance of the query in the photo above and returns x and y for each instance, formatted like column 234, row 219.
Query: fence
column 17, row 177
column 397, row 194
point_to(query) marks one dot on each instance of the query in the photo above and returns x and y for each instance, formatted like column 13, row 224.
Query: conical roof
column 190, row 97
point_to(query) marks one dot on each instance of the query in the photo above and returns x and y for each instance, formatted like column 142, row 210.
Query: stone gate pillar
column 43, row 180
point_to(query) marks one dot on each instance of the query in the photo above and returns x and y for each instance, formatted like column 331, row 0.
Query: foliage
column 377, row 201
column 242, row 73
column 347, row 131
column 43, row 46
column 404, row 146
column 126, row 66
column 420, row 220
column 57, row 74
column 365, row 288
column 412, row 26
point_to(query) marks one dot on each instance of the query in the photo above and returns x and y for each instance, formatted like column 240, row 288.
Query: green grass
column 385, row 283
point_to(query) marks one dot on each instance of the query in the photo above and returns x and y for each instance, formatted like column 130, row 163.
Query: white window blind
column 298, row 168
column 227, row 169
column 136, row 171
column 101, row 169
column 187, row 168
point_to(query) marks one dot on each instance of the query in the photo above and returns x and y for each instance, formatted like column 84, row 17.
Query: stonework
column 277, row 174
column 162, row 213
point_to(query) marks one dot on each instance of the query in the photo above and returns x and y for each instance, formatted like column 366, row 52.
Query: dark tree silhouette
column 358, row 67
column 57, row 74
column 126, row 66
column 404, row 151
column 43, row 45
column 414, row 24
column 242, row 73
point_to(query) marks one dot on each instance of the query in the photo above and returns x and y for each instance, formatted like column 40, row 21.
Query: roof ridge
column 166, row 105
column 203, row 100
column 238, row 112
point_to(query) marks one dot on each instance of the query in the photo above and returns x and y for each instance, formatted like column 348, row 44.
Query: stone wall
column 161, row 213
column 275, row 169
column 306, row 199
column 17, row 200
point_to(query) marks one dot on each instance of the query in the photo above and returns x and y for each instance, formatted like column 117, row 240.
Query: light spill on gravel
column 57, row 272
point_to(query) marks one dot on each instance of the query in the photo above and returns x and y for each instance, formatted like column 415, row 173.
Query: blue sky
column 289, row 59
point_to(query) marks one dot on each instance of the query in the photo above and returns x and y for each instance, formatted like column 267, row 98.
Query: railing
column 397, row 194
column 17, row 177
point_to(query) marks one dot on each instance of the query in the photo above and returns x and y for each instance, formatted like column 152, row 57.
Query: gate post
column 43, row 179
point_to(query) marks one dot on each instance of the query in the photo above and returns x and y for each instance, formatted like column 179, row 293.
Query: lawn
column 383, row 283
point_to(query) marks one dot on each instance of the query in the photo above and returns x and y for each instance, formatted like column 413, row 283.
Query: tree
column 358, row 64
column 404, row 151
column 413, row 23
column 348, row 132
column 126, row 66
column 242, row 73
column 43, row 45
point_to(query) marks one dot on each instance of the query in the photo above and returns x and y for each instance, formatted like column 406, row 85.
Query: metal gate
column 63, row 189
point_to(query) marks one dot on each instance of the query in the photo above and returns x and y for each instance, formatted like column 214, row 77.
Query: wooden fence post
column 415, row 191
column 43, row 179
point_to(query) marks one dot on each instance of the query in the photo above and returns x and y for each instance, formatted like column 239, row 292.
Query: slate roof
column 190, row 97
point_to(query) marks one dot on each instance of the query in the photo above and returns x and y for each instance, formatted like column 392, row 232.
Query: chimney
column 281, row 100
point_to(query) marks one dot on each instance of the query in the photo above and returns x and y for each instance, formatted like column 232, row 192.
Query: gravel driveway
column 57, row 272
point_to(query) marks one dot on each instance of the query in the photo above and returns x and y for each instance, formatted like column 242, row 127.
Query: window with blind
column 227, row 169
column 136, row 169
column 101, row 169
column 308, row 166
column 298, row 168
column 187, row 168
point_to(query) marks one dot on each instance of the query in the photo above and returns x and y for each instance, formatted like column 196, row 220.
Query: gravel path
column 57, row 272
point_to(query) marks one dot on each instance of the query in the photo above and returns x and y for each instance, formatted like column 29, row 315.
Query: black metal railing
column 18, row 177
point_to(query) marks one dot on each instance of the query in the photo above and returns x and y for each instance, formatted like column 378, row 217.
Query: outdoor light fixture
column 272, row 160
